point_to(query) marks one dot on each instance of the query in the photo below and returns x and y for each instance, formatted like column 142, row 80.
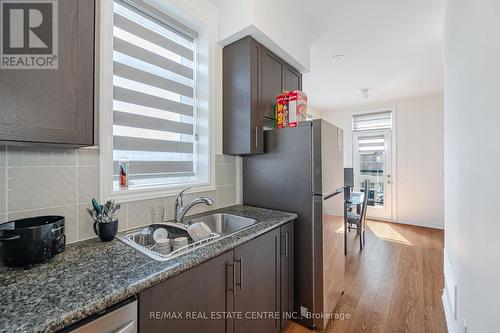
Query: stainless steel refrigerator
column 301, row 171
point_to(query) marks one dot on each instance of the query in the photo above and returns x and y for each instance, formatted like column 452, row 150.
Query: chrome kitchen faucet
column 180, row 210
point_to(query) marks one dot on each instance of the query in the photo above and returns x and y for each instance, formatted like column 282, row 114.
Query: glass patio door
column 372, row 156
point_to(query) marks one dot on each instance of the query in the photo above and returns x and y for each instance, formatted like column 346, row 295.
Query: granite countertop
column 90, row 276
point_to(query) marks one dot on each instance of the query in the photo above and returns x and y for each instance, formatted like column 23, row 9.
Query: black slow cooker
column 28, row 241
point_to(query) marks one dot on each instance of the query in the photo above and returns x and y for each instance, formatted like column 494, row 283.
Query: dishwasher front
column 119, row 318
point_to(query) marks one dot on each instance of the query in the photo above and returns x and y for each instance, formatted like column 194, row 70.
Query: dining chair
column 359, row 220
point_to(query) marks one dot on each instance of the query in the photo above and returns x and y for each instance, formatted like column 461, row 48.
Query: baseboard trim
column 422, row 224
column 418, row 224
column 449, row 296
column 450, row 322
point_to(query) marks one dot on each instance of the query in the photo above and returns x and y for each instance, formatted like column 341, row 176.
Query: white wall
column 314, row 113
column 276, row 24
column 419, row 145
column 472, row 160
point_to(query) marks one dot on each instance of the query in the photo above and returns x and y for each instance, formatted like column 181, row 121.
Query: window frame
column 203, row 148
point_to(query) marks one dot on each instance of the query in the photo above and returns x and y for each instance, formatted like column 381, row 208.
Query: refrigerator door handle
column 334, row 193
column 256, row 136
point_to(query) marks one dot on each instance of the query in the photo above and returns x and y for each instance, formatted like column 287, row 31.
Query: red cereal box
column 297, row 107
column 282, row 110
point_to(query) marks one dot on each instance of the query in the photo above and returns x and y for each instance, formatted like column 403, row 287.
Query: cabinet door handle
column 286, row 245
column 234, row 276
column 277, row 294
column 240, row 284
column 256, row 136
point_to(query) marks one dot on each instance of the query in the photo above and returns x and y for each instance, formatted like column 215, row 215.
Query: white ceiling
column 391, row 47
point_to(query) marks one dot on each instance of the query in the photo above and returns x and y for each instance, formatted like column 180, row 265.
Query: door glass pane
column 372, row 164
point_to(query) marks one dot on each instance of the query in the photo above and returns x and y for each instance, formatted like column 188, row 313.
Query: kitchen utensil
column 199, row 231
column 115, row 209
column 28, row 241
column 92, row 213
column 159, row 234
column 104, row 213
column 108, row 205
column 97, row 207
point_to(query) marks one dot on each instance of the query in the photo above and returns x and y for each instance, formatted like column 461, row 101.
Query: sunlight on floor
column 383, row 231
column 387, row 232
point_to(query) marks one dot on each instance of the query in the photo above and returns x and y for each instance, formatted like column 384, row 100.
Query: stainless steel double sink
column 224, row 224
column 220, row 224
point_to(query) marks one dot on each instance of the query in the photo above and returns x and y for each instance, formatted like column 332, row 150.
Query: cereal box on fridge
column 282, row 110
column 297, row 107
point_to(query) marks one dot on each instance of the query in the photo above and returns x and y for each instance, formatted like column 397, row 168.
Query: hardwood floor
column 394, row 284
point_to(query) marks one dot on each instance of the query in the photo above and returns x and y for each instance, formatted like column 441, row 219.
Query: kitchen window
column 155, row 106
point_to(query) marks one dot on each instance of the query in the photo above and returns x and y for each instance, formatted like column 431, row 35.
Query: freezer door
column 328, row 157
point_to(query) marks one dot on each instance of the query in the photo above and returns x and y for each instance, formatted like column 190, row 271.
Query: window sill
column 160, row 192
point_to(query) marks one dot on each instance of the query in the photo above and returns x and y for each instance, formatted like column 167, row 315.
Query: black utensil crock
column 106, row 231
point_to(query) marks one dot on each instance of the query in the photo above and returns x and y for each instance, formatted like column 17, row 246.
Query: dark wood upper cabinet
column 55, row 106
column 292, row 79
column 242, row 124
column 271, row 81
column 253, row 76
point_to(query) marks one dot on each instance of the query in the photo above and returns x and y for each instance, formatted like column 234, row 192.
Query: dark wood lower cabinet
column 257, row 293
column 253, row 281
column 199, row 291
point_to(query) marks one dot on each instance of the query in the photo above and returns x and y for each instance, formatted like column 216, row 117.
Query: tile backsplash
column 62, row 182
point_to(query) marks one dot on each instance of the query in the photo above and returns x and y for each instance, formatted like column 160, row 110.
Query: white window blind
column 371, row 143
column 153, row 96
column 372, row 121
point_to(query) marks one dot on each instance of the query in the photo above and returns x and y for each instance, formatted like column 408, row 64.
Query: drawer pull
column 234, row 276
column 240, row 283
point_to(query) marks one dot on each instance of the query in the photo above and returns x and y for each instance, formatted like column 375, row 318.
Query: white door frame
column 394, row 177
